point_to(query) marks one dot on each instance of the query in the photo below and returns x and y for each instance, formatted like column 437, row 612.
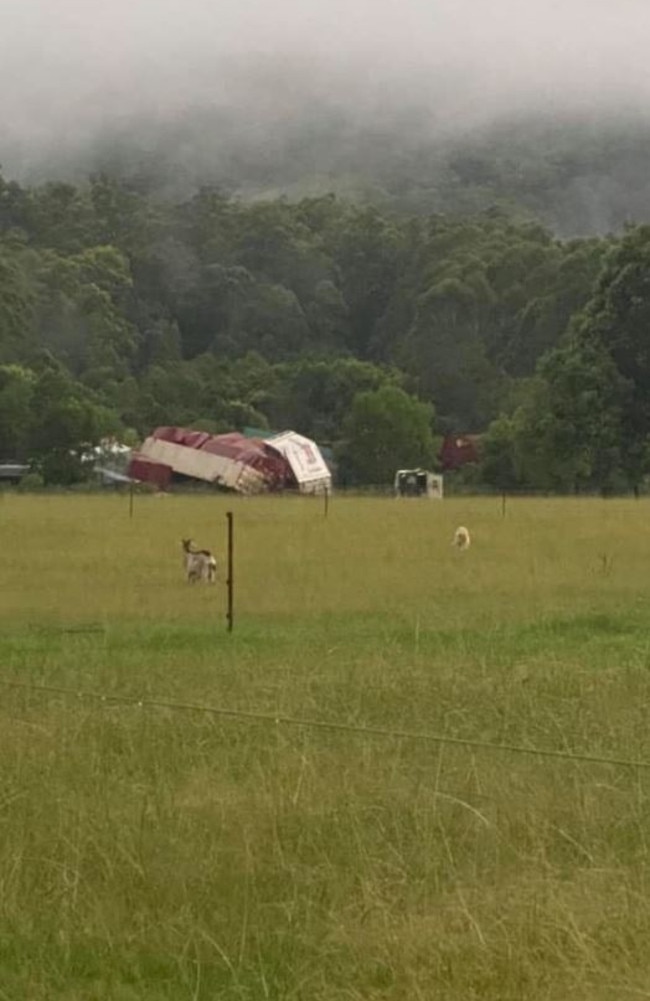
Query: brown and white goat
column 199, row 564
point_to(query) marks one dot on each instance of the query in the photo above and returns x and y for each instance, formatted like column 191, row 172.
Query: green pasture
column 166, row 854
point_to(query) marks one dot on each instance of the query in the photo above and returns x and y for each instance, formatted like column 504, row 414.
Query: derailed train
column 246, row 465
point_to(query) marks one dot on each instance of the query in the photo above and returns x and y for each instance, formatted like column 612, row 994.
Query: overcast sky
column 67, row 65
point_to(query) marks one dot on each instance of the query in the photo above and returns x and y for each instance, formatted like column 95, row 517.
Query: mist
column 210, row 78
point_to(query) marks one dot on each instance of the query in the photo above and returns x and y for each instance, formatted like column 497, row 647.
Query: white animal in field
column 199, row 564
column 461, row 538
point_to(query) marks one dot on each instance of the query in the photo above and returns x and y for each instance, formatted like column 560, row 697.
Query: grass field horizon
column 153, row 853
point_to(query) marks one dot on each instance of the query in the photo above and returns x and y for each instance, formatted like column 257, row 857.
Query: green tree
column 313, row 396
column 386, row 429
column 617, row 320
column 16, row 303
column 553, row 293
column 368, row 251
column 498, row 459
column 58, row 216
column 568, row 432
column 81, row 314
column 66, row 422
column 16, row 399
column 446, row 354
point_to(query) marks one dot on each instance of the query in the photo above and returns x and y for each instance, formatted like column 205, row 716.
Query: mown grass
column 148, row 853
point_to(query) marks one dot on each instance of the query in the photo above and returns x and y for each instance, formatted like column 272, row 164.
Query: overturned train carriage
column 246, row 465
column 418, row 483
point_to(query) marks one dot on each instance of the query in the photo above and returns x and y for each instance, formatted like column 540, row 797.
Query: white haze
column 72, row 69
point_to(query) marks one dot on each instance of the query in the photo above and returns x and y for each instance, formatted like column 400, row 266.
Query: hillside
column 580, row 176
column 132, row 297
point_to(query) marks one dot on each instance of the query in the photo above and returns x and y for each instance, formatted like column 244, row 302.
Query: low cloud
column 72, row 72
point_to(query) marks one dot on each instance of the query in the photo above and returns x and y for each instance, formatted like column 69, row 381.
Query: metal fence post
column 231, row 577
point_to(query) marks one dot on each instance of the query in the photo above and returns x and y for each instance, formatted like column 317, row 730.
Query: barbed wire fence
column 278, row 719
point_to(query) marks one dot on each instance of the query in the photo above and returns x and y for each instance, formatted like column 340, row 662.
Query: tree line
column 370, row 330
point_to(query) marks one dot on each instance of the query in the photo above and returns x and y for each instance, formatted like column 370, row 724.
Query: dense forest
column 370, row 327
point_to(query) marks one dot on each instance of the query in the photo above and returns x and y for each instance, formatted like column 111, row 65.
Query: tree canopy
column 348, row 322
column 385, row 429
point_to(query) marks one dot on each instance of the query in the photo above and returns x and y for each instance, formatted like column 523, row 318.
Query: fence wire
column 245, row 715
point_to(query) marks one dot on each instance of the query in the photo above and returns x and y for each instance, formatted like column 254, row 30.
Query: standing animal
column 199, row 564
column 461, row 538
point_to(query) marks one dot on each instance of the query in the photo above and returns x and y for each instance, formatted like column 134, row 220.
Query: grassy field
column 156, row 854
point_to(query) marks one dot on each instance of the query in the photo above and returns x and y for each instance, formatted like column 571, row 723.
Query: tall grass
column 161, row 854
